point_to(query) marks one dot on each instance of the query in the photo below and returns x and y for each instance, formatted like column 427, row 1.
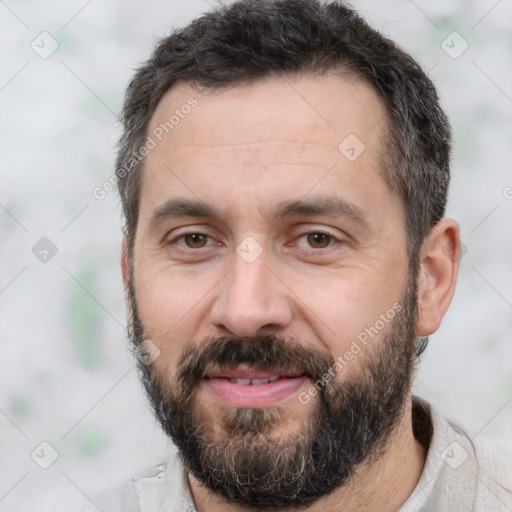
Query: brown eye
column 195, row 240
column 319, row 240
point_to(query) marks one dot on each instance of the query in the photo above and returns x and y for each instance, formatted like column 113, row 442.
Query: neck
column 380, row 486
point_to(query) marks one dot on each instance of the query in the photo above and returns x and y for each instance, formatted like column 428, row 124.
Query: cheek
column 170, row 307
column 349, row 308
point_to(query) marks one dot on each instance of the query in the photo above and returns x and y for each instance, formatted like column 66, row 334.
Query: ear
column 439, row 265
column 125, row 268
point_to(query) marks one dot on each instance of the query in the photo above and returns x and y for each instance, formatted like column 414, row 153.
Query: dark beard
column 234, row 456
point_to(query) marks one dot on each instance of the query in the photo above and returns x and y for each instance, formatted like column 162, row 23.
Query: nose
column 252, row 300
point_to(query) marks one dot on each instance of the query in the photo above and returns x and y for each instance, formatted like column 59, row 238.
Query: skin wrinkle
column 341, row 44
column 263, row 128
column 343, row 213
column 230, row 460
column 321, row 302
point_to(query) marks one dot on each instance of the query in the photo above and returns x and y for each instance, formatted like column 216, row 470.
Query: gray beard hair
column 235, row 457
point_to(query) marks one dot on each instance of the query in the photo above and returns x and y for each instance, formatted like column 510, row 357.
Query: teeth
column 254, row 382
column 240, row 381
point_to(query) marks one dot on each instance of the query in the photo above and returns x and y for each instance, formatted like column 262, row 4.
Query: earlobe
column 439, row 264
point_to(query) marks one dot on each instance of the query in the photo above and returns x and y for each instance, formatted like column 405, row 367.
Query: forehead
column 277, row 138
column 309, row 109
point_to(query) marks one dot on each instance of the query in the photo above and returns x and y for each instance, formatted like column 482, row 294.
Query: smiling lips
column 250, row 387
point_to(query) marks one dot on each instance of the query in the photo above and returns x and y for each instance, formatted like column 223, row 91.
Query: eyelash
column 331, row 236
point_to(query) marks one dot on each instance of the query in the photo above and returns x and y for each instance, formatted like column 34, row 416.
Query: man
column 283, row 173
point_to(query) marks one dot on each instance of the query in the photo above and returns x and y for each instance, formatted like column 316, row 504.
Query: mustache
column 272, row 353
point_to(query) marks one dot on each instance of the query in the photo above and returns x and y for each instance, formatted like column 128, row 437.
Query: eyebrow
column 328, row 206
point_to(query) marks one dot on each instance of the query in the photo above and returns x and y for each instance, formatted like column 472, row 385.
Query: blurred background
column 67, row 377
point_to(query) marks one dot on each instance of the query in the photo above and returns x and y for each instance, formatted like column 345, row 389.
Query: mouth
column 251, row 387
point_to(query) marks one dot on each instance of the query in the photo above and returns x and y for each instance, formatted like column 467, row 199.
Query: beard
column 238, row 454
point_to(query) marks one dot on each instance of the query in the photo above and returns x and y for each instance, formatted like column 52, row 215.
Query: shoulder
column 494, row 470
column 163, row 488
column 475, row 468
column 461, row 472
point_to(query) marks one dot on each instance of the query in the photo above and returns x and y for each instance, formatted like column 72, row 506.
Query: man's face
column 258, row 281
